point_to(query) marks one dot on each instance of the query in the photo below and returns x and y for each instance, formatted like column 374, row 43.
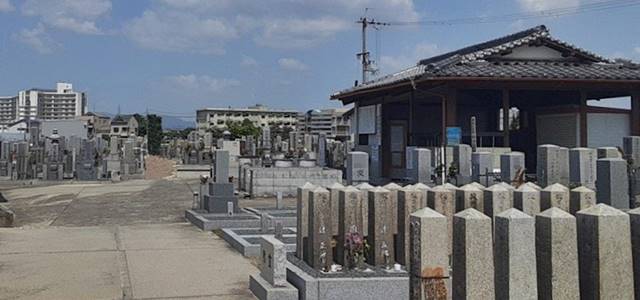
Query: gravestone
column 497, row 198
column 357, row 167
column 266, row 138
column 429, row 258
column 410, row 200
column 265, row 223
column 221, row 199
column 581, row 198
column 221, row 166
column 527, row 199
column 293, row 141
column 510, row 164
column 555, row 195
column 604, row 253
column 634, row 218
column 350, row 220
column 582, row 164
column 533, row 185
column 422, row 165
column 322, row 150
column 442, row 200
column 320, row 251
column 364, row 189
column 515, row 256
column 308, row 142
column 552, row 165
column 469, row 196
column 335, row 189
column 278, row 229
column 279, row 200
column 557, row 255
column 274, row 260
column 481, row 166
column 612, row 184
column 302, row 213
column 393, row 188
column 608, row 152
column 462, row 159
column 381, row 251
column 473, row 271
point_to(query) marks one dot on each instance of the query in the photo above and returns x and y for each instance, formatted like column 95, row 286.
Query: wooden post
column 635, row 113
column 505, row 118
column 583, row 120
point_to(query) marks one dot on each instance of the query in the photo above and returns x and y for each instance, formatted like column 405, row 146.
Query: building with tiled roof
column 537, row 84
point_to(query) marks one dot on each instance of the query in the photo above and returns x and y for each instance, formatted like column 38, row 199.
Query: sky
column 175, row 56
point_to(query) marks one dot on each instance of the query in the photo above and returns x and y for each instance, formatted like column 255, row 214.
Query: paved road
column 114, row 241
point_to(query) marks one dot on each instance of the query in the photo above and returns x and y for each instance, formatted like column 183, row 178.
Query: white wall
column 606, row 129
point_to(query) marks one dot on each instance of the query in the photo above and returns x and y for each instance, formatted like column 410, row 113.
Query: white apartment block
column 62, row 103
column 259, row 115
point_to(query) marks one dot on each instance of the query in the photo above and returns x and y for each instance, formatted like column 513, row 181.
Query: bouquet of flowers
column 356, row 247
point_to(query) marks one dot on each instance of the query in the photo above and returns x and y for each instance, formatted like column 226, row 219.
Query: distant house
column 124, row 125
column 523, row 90
column 98, row 123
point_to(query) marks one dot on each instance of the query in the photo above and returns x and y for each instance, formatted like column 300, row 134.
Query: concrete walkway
column 125, row 260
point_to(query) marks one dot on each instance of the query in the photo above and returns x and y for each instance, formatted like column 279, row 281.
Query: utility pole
column 367, row 64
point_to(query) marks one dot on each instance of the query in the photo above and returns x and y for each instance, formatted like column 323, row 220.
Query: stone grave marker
column 510, row 164
column 422, row 165
column 582, row 165
column 357, row 167
column 555, row 195
column 612, row 184
column 527, row 199
column 608, row 152
column 335, row 189
column 497, row 198
column 364, row 189
column 429, row 258
column 302, row 228
column 469, row 196
column 581, row 198
column 410, row 200
column 481, row 165
column 274, row 260
column 350, row 220
column 320, row 251
column 442, row 200
column 634, row 218
column 381, row 252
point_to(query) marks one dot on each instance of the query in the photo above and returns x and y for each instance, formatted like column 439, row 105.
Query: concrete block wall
column 266, row 182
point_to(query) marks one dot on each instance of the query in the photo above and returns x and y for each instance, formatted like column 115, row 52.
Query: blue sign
column 454, row 136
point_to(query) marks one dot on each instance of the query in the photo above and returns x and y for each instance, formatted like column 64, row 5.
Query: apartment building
column 334, row 122
column 259, row 115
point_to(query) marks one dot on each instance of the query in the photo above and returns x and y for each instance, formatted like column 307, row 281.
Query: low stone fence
column 266, row 182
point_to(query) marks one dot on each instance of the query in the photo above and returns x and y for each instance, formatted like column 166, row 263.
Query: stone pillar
column 274, row 260
column 582, row 167
column 527, row 199
column 469, row 196
column 481, row 164
column 422, row 165
column 320, row 251
column 555, row 195
column 634, row 216
column 473, row 273
column 410, row 200
column 350, row 220
column 442, row 200
column 322, row 150
column 335, row 189
column 515, row 256
column 581, row 198
column 612, row 185
column 557, row 255
column 497, row 198
column 510, row 164
column 462, row 159
column 604, row 245
column 364, row 189
column 631, row 148
column 222, row 166
column 608, row 152
column 429, row 261
column 393, row 188
column 380, row 234
column 552, row 165
column 357, row 167
column 302, row 228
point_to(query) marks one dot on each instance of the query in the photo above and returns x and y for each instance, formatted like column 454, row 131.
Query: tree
column 244, row 128
column 142, row 124
column 154, row 133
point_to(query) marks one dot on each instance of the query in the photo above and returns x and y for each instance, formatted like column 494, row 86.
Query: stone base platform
column 286, row 216
column 207, row 221
column 265, row 291
column 315, row 285
column 247, row 240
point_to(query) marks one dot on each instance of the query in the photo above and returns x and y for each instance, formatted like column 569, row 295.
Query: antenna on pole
column 367, row 63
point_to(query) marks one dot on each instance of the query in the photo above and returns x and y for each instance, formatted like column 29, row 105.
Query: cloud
column 390, row 64
column 636, row 50
column 180, row 32
column 37, row 38
column 248, row 62
column 6, row 6
column 292, row 64
column 194, row 82
column 79, row 16
column 537, row 5
column 168, row 24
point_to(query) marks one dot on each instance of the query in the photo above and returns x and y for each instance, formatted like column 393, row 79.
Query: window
column 116, row 129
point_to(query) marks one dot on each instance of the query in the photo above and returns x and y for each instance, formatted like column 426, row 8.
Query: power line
column 548, row 13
